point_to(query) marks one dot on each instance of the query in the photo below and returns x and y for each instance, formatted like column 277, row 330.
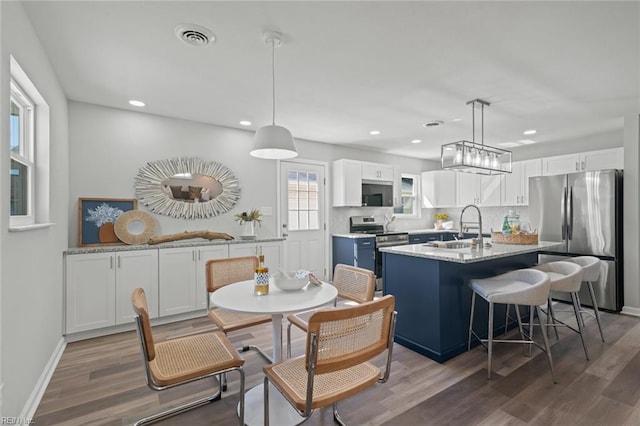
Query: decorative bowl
column 288, row 281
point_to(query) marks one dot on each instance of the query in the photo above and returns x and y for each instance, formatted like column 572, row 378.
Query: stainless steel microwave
column 378, row 194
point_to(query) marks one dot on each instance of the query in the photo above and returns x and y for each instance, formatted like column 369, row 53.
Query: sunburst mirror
column 189, row 188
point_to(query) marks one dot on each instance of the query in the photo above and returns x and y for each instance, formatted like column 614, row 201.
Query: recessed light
column 529, row 132
column 527, row 141
column 245, row 123
column 508, row 144
column 416, row 141
column 136, row 103
column 455, row 119
column 374, row 132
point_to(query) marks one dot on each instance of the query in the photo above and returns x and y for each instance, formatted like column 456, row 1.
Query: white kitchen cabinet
column 586, row 161
column 272, row 252
column 204, row 254
column 376, row 171
column 481, row 190
column 98, row 287
column 347, row 183
column 515, row 185
column 438, row 189
column 136, row 268
column 177, row 280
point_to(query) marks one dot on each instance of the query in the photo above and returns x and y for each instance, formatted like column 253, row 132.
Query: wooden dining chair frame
column 317, row 334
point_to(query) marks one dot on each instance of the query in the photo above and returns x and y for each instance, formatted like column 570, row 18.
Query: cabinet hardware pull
column 583, row 165
column 199, row 257
column 193, row 255
column 110, row 262
column 577, row 166
column 119, row 262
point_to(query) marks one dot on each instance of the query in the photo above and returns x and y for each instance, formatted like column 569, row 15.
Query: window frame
column 417, row 211
column 26, row 153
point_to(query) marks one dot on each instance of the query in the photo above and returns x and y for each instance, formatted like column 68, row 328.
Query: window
column 409, row 196
column 302, row 193
column 21, row 135
column 28, row 151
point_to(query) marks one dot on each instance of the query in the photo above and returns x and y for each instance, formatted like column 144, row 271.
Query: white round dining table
column 239, row 297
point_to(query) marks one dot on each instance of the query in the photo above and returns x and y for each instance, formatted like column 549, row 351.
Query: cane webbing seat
column 353, row 283
column 183, row 360
column 339, row 346
column 221, row 272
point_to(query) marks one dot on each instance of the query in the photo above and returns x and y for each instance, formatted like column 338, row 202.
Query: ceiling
column 566, row 69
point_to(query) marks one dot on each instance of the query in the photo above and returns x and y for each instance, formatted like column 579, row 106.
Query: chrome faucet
column 460, row 234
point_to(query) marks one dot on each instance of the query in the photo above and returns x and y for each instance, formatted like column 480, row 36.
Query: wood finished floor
column 101, row 382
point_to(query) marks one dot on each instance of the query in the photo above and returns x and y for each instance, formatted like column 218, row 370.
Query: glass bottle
column 261, row 278
column 506, row 227
column 514, row 221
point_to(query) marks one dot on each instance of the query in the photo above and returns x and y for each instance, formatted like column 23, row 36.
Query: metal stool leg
column 595, row 308
column 473, row 304
column 490, row 340
column 525, row 346
column 576, row 309
column 545, row 339
column 553, row 317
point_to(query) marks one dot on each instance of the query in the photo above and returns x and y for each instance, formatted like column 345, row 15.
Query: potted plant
column 250, row 220
column 440, row 217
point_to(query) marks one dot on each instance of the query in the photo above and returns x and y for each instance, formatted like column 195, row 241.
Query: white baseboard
column 30, row 407
column 1, row 387
column 629, row 310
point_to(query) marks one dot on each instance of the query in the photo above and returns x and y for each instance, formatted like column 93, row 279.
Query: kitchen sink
column 451, row 244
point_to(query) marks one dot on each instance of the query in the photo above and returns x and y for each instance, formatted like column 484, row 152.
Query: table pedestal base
column 281, row 413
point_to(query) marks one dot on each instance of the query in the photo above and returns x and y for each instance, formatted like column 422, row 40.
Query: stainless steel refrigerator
column 584, row 211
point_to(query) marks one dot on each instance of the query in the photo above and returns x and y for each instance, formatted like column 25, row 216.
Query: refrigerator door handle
column 563, row 221
column 570, row 215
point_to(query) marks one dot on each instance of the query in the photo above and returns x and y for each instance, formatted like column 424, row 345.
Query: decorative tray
column 524, row 239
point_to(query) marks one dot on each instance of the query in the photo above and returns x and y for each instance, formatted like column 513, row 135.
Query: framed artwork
column 97, row 217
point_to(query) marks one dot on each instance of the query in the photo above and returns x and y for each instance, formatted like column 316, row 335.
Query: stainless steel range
column 375, row 226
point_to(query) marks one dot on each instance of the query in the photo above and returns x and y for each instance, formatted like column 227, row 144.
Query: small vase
column 106, row 234
column 249, row 228
column 438, row 224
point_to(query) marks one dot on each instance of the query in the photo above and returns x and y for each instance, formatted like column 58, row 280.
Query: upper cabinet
column 438, row 189
column 515, row 185
column 582, row 162
column 348, row 176
column 375, row 171
column 482, row 190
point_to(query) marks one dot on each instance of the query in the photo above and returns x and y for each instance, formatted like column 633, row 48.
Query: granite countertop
column 355, row 236
column 468, row 255
column 430, row 231
column 412, row 232
column 173, row 244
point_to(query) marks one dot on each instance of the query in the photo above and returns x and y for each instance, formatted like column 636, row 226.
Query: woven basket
column 525, row 239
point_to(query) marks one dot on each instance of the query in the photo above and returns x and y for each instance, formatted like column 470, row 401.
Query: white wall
column 30, row 262
column 631, row 215
column 108, row 146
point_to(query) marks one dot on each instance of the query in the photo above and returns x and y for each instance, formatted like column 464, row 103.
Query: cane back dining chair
column 184, row 360
column 353, row 283
column 336, row 364
column 221, row 272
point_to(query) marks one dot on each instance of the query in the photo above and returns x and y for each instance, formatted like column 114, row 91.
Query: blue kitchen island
column 433, row 299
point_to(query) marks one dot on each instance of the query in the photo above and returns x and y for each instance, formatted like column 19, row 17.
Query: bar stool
column 565, row 277
column 590, row 274
column 526, row 287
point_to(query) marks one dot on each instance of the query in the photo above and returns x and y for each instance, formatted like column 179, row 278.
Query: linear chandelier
column 471, row 157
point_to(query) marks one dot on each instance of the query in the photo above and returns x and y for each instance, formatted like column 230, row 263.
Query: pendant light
column 271, row 141
column 471, row 157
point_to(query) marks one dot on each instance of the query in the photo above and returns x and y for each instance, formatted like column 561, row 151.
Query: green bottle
column 506, row 227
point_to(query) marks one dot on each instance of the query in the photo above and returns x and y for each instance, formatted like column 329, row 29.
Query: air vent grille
column 195, row 35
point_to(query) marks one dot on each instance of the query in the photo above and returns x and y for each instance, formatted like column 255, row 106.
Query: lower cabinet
column 183, row 279
column 99, row 286
column 360, row 252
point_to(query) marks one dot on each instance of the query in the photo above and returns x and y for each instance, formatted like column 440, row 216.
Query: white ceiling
column 567, row 69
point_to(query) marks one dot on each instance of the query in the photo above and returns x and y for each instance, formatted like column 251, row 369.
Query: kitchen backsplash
column 492, row 217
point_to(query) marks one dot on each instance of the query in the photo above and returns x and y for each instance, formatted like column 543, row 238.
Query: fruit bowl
column 289, row 281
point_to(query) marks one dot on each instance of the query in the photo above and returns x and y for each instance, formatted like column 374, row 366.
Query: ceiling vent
column 434, row 123
column 195, row 35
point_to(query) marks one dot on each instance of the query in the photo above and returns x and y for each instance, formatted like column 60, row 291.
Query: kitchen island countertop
column 469, row 255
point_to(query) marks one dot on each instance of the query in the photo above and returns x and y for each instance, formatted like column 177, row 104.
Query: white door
column 302, row 216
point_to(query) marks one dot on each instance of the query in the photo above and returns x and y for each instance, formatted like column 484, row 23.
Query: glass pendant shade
column 274, row 143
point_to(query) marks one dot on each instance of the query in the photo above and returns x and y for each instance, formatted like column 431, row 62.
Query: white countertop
column 412, row 232
column 468, row 255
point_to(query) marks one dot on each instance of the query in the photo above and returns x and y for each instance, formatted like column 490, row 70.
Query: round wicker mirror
column 188, row 188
